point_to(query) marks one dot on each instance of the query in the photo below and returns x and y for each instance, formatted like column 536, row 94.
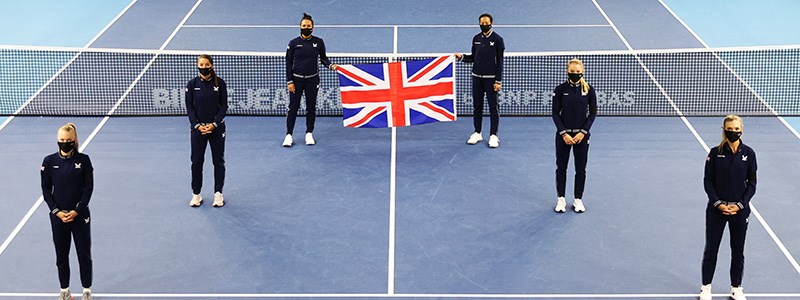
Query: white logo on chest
column 491, row 43
column 744, row 157
column 77, row 165
column 314, row 45
column 216, row 89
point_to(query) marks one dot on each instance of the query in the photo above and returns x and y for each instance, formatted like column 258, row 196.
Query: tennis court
column 410, row 212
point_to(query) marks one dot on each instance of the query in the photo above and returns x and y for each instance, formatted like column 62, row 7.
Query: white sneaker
column 705, row 292
column 561, row 205
column 475, row 138
column 310, row 139
column 87, row 294
column 288, row 141
column 219, row 201
column 577, row 206
column 196, row 200
column 737, row 293
column 494, row 141
column 65, row 295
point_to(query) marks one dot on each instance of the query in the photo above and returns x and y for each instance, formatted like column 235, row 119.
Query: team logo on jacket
column 491, row 43
column 314, row 45
column 77, row 165
column 42, row 168
column 216, row 89
column 86, row 220
column 744, row 157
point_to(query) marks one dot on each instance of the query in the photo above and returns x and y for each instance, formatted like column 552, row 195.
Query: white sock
column 65, row 290
column 87, row 290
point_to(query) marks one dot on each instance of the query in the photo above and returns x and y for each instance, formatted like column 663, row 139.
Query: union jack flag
column 398, row 93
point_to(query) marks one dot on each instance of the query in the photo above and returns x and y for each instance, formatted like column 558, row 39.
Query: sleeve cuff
column 718, row 203
column 290, row 82
column 562, row 132
column 215, row 124
column 54, row 211
column 196, row 125
column 584, row 131
column 740, row 205
column 498, row 82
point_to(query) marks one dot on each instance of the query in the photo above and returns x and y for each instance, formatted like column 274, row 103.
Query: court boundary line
column 94, row 133
column 745, row 83
column 392, row 196
column 366, row 295
column 389, row 26
column 61, row 70
column 758, row 215
column 39, row 200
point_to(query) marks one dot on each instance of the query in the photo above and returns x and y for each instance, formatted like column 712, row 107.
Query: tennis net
column 756, row 81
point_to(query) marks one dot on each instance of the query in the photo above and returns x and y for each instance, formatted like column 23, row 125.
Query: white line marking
column 392, row 196
column 399, row 25
column 94, row 133
column 102, row 31
column 478, row 296
column 61, row 70
column 761, row 219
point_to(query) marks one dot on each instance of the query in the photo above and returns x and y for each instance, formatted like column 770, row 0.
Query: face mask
column 574, row 77
column 486, row 28
column 306, row 31
column 204, row 71
column 66, row 147
column 732, row 136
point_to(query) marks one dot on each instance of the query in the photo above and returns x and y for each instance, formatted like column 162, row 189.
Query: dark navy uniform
column 207, row 104
column 301, row 69
column 730, row 178
column 67, row 184
column 487, row 69
column 573, row 112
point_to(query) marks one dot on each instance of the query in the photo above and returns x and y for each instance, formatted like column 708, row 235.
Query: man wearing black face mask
column 730, row 184
column 487, row 77
column 302, row 76
column 67, row 182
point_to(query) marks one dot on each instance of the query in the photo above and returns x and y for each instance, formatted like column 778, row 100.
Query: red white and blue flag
column 398, row 93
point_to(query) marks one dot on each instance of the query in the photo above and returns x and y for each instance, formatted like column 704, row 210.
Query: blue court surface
column 410, row 212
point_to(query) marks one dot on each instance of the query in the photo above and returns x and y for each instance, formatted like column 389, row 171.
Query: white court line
column 96, row 130
column 728, row 67
column 400, row 25
column 39, row 201
column 761, row 219
column 61, row 70
column 451, row 296
column 392, row 197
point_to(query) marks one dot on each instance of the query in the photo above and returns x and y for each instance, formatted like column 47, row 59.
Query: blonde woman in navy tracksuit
column 574, row 111
column 730, row 183
column 67, row 186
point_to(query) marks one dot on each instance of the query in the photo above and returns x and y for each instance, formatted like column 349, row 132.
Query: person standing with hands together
column 574, row 112
column 730, row 183
column 206, row 106
column 487, row 76
column 67, row 186
column 302, row 77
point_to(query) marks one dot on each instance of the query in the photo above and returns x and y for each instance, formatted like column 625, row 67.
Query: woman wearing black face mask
column 302, row 76
column 206, row 105
column 487, row 75
column 730, row 183
column 67, row 185
column 574, row 111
